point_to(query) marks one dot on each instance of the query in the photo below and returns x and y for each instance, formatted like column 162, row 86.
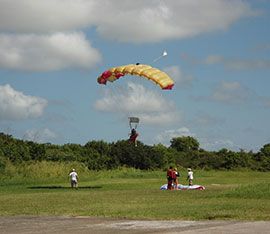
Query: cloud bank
column 37, row 35
column 166, row 136
column 207, row 143
column 231, row 92
column 46, row 52
column 237, row 63
column 39, row 135
column 136, row 100
column 181, row 79
column 143, row 21
column 15, row 105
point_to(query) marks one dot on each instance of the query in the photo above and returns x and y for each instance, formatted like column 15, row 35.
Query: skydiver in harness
column 133, row 134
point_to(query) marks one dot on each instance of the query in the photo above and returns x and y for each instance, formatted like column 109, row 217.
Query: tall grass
column 39, row 172
column 58, row 171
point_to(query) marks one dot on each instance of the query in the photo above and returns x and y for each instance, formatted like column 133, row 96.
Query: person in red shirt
column 133, row 136
column 170, row 178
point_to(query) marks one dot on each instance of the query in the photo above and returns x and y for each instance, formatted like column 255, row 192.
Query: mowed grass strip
column 229, row 195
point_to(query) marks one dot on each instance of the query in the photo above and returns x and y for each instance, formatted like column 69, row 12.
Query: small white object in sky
column 163, row 55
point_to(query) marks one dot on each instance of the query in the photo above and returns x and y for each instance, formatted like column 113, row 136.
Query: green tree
column 101, row 147
column 166, row 155
column 265, row 150
column 263, row 158
column 2, row 161
column 37, row 151
column 185, row 143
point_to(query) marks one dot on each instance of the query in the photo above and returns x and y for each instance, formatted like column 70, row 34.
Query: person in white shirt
column 190, row 177
column 73, row 179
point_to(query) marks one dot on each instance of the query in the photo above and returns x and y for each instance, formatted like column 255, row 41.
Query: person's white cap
column 189, row 169
column 73, row 169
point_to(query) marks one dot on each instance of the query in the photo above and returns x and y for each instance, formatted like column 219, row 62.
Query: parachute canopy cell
column 157, row 76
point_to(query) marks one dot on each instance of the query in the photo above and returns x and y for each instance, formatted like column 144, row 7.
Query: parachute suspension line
column 115, row 91
column 161, row 56
column 134, row 126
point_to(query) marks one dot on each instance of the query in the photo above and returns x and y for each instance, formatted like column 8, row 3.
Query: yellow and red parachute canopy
column 157, row 76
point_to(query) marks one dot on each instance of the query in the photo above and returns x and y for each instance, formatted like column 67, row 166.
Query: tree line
column 183, row 151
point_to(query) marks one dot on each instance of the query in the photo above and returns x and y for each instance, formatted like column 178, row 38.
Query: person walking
column 175, row 178
column 73, row 179
column 190, row 177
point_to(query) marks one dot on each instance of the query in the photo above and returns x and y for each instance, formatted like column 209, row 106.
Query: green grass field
column 134, row 194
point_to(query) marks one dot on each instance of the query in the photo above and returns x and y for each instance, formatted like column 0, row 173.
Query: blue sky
column 51, row 53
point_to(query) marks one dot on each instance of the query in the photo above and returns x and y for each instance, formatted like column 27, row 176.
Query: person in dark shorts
column 170, row 178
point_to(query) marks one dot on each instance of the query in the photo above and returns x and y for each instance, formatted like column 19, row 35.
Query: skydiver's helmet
column 133, row 131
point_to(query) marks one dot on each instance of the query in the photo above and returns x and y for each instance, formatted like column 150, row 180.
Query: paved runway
column 83, row 225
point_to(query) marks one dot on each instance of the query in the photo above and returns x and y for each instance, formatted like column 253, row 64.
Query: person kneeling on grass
column 73, row 179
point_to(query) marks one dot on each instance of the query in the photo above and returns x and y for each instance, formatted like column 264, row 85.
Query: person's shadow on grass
column 63, row 187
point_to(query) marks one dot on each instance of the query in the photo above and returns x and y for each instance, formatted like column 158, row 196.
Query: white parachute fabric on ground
column 185, row 187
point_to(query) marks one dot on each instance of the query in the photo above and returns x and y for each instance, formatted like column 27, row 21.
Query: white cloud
column 265, row 101
column 218, row 144
column 166, row 136
column 177, row 75
column 237, row 63
column 143, row 21
column 15, row 105
column 247, row 64
column 46, row 52
column 204, row 119
column 213, row 59
column 39, row 135
column 262, row 47
column 160, row 118
column 136, row 100
column 27, row 16
column 207, row 143
column 231, row 92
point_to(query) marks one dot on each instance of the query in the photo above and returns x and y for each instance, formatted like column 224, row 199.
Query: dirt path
column 82, row 225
